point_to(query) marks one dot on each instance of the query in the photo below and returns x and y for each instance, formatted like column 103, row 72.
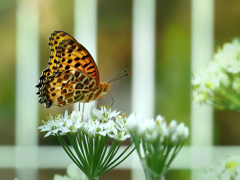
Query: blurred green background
column 173, row 37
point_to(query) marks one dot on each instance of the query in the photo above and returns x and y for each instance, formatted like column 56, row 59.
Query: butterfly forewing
column 72, row 55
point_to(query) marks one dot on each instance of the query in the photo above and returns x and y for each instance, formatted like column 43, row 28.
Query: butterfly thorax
column 98, row 92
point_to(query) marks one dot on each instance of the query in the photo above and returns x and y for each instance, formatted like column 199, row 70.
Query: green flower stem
column 98, row 149
column 90, row 149
column 116, row 150
column 73, row 140
column 157, row 160
column 118, row 158
column 109, row 155
column 83, row 141
column 92, row 178
column 69, row 152
column 169, row 148
column 90, row 153
column 226, row 99
column 176, row 151
column 137, row 144
column 150, row 174
column 80, row 145
column 105, row 149
column 158, row 155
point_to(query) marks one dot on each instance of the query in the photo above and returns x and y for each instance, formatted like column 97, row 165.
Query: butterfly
column 71, row 76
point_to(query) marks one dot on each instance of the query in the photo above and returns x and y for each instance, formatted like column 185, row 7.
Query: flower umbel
column 227, row 168
column 218, row 84
column 90, row 138
column 160, row 142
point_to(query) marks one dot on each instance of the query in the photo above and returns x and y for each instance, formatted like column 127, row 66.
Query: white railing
column 202, row 43
column 194, row 157
column 85, row 28
column 27, row 74
column 143, row 66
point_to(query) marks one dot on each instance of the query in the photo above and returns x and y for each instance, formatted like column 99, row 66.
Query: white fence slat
column 202, row 43
column 143, row 64
column 85, row 32
column 51, row 156
column 27, row 60
column 143, row 56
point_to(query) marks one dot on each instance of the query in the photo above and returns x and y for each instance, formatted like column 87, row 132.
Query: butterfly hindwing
column 54, row 41
column 67, row 87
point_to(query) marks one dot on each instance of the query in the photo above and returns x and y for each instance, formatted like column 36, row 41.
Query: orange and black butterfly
column 71, row 76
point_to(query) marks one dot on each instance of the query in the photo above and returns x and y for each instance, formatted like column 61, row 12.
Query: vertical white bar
column 143, row 64
column 85, row 32
column 143, row 57
column 202, row 43
column 27, row 60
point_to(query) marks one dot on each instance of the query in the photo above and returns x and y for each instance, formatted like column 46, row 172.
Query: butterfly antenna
column 117, row 77
column 112, row 98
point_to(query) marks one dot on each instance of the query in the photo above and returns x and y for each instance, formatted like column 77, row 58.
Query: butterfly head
column 105, row 87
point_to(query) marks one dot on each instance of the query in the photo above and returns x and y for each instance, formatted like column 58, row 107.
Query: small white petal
column 172, row 126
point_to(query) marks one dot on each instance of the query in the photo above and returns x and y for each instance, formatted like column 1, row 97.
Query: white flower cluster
column 101, row 122
column 154, row 130
column 226, row 169
column 220, row 77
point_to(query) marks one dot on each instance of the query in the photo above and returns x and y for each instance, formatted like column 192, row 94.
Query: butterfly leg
column 82, row 110
column 98, row 103
column 102, row 97
column 103, row 103
column 79, row 107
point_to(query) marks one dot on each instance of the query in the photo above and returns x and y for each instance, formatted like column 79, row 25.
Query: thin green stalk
column 166, row 155
column 85, row 145
column 137, row 144
column 73, row 140
column 158, row 153
column 116, row 149
column 99, row 153
column 105, row 149
column 69, row 152
column 113, row 146
column 66, row 148
column 103, row 155
column 80, row 145
column 117, row 163
column 96, row 151
column 90, row 145
column 111, row 157
column 177, row 149
column 121, row 154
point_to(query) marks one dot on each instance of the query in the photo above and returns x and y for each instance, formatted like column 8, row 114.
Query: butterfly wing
column 54, row 41
column 71, row 69
column 72, row 55
column 66, row 87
